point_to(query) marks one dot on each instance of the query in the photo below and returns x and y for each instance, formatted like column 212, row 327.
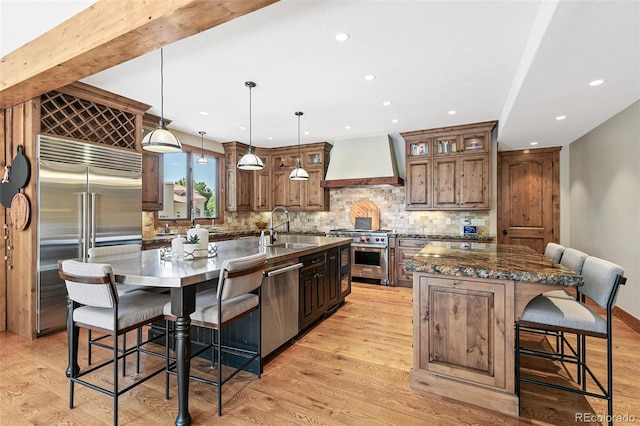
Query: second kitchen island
column 466, row 298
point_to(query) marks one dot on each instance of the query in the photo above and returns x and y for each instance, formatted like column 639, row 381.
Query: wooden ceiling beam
column 106, row 34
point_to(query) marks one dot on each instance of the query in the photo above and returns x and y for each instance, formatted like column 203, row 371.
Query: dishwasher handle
column 281, row 269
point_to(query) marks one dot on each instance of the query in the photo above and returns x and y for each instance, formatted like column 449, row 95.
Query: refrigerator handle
column 84, row 237
column 92, row 208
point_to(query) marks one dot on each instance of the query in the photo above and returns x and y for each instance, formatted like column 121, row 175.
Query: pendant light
column 161, row 139
column 202, row 159
column 299, row 173
column 250, row 161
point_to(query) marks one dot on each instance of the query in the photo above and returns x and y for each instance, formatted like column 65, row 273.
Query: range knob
column 368, row 239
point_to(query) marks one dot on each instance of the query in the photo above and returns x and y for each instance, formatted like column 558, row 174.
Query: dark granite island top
column 486, row 260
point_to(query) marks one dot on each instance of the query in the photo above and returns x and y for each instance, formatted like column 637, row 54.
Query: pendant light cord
column 161, row 88
column 250, row 126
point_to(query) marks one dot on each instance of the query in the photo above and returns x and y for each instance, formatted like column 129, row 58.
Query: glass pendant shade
column 161, row 139
column 202, row 159
column 299, row 173
column 250, row 161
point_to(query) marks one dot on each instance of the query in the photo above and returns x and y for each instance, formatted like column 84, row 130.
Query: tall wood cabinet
column 449, row 168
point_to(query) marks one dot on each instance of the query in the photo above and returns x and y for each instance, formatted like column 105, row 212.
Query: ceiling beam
column 103, row 36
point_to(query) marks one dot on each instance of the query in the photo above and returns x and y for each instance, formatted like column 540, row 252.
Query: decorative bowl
column 261, row 224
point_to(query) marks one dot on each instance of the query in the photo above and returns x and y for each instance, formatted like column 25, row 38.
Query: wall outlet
column 410, row 221
column 447, row 221
column 464, row 222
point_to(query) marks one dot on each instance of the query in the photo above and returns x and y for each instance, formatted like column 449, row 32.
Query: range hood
column 367, row 161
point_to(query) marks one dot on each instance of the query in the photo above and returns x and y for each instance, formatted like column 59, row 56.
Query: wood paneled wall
column 21, row 125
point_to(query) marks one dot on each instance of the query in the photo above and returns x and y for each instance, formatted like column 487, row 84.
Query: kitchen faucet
column 272, row 227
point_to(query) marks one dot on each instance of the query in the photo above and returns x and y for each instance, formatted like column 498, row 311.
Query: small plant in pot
column 191, row 244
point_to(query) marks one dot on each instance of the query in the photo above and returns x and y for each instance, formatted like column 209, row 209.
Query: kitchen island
column 151, row 268
column 466, row 297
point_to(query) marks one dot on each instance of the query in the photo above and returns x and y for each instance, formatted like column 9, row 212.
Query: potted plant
column 191, row 245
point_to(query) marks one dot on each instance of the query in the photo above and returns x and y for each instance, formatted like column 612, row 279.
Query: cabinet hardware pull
column 426, row 315
column 456, row 282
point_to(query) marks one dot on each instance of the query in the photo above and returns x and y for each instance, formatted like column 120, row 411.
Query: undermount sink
column 293, row 245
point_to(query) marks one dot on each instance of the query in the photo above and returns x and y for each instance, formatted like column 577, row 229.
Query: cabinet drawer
column 314, row 260
column 413, row 242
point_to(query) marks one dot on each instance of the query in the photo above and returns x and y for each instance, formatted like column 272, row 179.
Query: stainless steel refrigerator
column 88, row 196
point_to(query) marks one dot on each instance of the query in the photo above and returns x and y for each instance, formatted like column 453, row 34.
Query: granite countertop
column 466, row 237
column 486, row 260
column 213, row 234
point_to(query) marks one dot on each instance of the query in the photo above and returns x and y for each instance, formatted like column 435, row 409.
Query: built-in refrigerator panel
column 88, row 195
column 115, row 201
column 60, row 189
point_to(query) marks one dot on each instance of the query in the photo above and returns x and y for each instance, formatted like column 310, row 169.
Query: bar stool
column 93, row 303
column 601, row 282
column 117, row 251
column 571, row 259
column 237, row 295
column 554, row 252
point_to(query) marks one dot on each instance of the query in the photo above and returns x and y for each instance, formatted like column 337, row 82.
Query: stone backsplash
column 390, row 202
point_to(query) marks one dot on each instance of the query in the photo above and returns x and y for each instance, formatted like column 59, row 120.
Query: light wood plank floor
column 352, row 369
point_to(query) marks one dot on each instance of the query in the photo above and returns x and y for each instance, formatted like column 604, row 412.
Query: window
column 191, row 191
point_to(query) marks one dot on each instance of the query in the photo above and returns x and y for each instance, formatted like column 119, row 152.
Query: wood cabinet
column 406, row 248
column 449, row 168
column 463, row 339
column 313, row 289
column 238, row 183
column 152, row 181
column 152, row 170
column 344, row 271
column 333, row 276
column 262, row 190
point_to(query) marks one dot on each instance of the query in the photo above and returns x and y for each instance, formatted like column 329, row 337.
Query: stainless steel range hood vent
column 368, row 161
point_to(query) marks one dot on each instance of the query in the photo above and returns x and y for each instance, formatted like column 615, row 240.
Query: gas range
column 363, row 236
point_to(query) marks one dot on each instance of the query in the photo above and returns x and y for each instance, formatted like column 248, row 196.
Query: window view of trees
column 178, row 201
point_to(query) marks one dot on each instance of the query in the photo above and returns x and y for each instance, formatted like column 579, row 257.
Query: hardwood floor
column 351, row 369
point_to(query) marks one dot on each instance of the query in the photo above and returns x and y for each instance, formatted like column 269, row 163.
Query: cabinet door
column 474, row 181
column 462, row 330
column 314, row 194
column 308, row 283
column 287, row 192
column 418, row 185
column 445, row 182
column 262, row 191
column 152, row 181
column 333, row 277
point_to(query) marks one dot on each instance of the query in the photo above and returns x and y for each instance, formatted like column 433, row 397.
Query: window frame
column 193, row 154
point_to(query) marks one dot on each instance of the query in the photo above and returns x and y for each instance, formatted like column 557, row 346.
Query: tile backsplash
column 389, row 201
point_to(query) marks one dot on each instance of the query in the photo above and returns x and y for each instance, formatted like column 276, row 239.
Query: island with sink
column 307, row 277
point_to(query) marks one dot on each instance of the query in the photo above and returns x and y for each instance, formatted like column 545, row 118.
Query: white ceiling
column 520, row 62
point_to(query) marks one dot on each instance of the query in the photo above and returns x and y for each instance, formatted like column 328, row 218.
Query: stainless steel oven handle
column 368, row 246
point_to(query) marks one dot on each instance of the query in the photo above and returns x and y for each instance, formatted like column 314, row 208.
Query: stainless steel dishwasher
column 280, row 294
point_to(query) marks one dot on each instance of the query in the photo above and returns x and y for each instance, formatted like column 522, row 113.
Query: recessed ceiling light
column 270, row 138
column 534, row 143
column 386, row 103
column 307, row 133
column 342, row 36
column 204, row 113
column 452, row 112
column 347, row 127
column 243, row 128
column 596, row 82
column 395, row 120
column 561, row 117
column 369, row 77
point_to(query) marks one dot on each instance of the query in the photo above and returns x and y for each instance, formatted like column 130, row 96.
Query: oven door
column 369, row 261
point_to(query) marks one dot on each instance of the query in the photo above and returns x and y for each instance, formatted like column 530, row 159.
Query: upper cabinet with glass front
column 448, row 168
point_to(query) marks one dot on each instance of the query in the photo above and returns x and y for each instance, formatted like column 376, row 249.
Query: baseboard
column 628, row 319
